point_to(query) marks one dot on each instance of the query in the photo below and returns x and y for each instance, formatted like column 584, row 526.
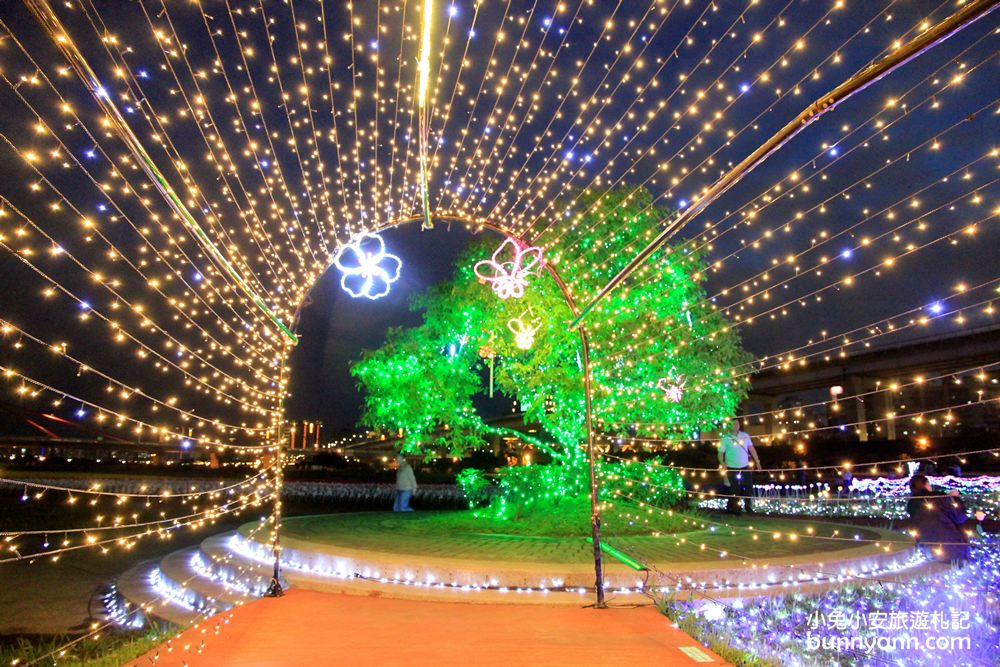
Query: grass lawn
column 570, row 517
column 558, row 534
column 104, row 649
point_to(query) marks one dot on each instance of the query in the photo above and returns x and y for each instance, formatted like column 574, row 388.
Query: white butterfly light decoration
column 672, row 387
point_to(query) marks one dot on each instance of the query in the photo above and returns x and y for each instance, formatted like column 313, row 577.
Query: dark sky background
column 834, row 153
column 337, row 327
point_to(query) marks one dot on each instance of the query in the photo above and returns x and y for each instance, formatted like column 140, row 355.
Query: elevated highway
column 929, row 356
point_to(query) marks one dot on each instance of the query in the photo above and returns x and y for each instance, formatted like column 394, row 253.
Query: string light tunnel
column 175, row 178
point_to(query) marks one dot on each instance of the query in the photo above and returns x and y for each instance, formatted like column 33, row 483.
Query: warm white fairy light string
column 172, row 41
column 284, row 131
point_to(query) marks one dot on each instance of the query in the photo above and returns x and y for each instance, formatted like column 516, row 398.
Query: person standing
column 941, row 524
column 735, row 450
column 406, row 484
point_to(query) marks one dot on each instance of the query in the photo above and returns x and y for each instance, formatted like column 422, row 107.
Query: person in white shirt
column 735, row 450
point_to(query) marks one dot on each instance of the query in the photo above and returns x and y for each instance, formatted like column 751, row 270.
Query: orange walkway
column 310, row 628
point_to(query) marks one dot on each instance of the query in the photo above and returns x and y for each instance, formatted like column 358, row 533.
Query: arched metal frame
column 963, row 17
column 275, row 589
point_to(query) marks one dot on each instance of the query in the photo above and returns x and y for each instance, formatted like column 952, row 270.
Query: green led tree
column 666, row 364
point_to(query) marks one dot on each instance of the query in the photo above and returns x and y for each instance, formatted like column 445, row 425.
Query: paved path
column 310, row 628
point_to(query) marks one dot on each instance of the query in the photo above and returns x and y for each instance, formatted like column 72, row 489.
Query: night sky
column 897, row 188
column 345, row 325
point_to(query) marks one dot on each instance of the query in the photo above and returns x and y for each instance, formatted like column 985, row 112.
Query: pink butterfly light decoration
column 507, row 270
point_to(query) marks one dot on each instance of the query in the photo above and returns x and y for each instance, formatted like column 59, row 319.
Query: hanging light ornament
column 424, row 127
column 509, row 267
column 672, row 387
column 367, row 270
column 524, row 334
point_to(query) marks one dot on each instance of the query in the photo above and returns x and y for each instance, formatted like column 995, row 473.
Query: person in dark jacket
column 406, row 485
column 941, row 523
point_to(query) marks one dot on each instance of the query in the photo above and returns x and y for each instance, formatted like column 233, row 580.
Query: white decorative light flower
column 507, row 270
column 367, row 269
column 713, row 611
column 672, row 387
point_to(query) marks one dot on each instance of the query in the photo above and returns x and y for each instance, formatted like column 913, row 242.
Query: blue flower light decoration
column 367, row 269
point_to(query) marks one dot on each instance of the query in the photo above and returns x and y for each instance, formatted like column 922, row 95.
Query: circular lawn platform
column 447, row 555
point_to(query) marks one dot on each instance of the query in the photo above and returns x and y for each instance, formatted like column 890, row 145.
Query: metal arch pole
column 274, row 588
column 595, row 509
column 595, row 506
column 930, row 38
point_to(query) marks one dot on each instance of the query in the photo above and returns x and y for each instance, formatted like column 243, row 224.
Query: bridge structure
column 385, row 445
column 866, row 402
column 871, row 388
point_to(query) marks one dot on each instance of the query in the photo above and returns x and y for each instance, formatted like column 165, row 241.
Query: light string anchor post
column 274, row 587
column 588, row 393
column 595, row 506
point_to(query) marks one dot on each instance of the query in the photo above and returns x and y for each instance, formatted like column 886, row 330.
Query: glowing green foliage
column 474, row 485
column 659, row 326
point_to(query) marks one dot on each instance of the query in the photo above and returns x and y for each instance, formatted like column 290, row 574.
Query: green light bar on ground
column 619, row 555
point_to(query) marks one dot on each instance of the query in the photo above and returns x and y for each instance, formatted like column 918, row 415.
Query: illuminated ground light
column 347, row 570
